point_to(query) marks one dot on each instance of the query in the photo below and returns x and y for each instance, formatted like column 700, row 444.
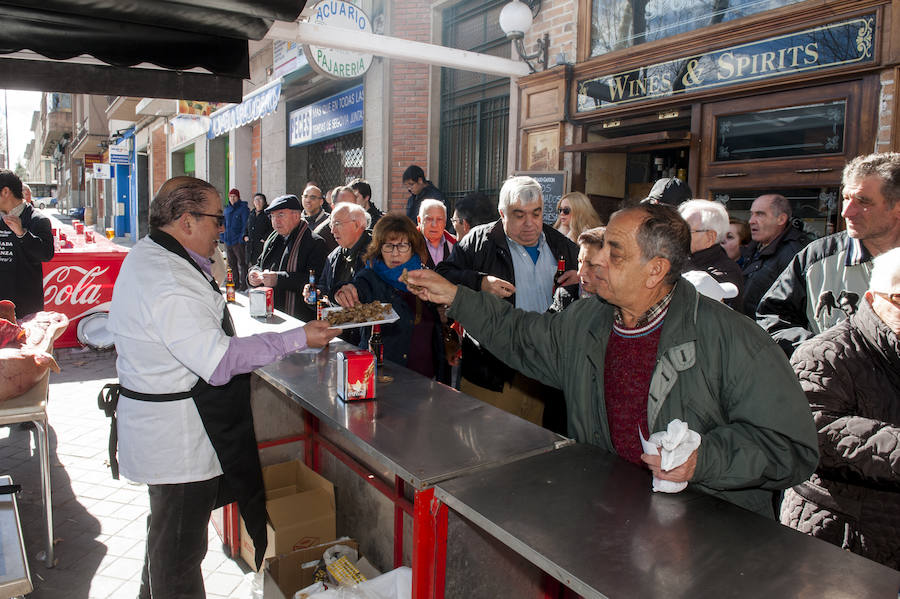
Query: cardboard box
column 301, row 511
column 288, row 571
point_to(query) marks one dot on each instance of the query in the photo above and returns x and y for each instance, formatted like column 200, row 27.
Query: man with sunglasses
column 289, row 254
column 826, row 280
column 851, row 376
column 182, row 406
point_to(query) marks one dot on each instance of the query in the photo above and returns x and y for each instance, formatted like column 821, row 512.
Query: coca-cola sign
column 79, row 284
column 63, row 286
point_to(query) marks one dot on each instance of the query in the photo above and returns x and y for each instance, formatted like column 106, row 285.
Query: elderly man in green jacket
column 650, row 349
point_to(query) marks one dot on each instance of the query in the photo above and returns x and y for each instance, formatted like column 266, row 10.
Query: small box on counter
column 355, row 375
column 261, row 301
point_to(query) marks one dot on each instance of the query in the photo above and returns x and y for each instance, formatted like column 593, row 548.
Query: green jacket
column 716, row 370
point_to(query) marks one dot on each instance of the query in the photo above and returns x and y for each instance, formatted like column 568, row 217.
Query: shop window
column 618, row 24
column 781, row 133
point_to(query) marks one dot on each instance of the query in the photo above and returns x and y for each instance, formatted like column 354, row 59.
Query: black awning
column 175, row 35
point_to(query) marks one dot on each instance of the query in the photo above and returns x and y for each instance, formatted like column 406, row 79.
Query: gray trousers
column 177, row 538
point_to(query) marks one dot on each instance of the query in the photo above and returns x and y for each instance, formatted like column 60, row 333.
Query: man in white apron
column 183, row 416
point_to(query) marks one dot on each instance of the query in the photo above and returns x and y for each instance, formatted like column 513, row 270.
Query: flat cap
column 285, row 202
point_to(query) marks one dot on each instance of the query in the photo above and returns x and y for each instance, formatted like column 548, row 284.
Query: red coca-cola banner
column 79, row 280
column 78, row 284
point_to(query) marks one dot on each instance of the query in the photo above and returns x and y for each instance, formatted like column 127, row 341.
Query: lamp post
column 515, row 21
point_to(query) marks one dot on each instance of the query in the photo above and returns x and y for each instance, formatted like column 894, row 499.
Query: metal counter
column 590, row 520
column 424, row 431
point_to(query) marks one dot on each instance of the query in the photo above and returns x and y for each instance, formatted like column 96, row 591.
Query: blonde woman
column 576, row 215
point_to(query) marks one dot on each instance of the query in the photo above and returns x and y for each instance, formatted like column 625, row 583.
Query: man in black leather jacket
column 775, row 243
column 515, row 258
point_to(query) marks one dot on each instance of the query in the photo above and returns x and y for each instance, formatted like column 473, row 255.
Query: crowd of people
column 781, row 352
column 589, row 329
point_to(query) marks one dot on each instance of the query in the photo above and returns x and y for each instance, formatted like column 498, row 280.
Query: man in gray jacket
column 648, row 350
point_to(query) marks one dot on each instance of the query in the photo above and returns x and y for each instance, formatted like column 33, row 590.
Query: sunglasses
column 567, row 211
column 220, row 218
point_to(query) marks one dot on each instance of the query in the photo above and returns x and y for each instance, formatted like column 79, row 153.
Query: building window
column 474, row 106
column 782, row 133
column 618, row 24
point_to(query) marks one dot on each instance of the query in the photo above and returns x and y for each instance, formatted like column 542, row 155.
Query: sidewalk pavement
column 100, row 523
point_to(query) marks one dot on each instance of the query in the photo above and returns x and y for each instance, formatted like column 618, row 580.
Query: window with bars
column 474, row 106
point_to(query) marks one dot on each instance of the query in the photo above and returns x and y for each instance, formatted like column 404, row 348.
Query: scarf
column 391, row 276
column 290, row 297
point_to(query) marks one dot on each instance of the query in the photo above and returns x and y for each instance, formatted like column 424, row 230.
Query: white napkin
column 677, row 442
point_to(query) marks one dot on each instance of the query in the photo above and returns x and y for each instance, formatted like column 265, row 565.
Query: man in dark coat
column 709, row 225
column 774, row 244
column 290, row 252
column 236, row 214
column 26, row 241
column 851, row 376
column 420, row 189
column 514, row 258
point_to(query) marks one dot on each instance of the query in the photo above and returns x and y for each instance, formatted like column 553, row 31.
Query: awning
column 186, row 49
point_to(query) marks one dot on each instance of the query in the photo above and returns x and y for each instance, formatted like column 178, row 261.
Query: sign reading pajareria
column 833, row 45
column 340, row 64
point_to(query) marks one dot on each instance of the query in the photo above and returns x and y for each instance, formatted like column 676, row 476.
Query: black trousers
column 237, row 262
column 177, row 538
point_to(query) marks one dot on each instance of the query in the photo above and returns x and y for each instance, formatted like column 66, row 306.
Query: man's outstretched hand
column 431, row 286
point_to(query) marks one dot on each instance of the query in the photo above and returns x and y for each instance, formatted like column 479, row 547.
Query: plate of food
column 360, row 315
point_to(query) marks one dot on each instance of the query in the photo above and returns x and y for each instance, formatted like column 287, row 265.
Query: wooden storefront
column 773, row 102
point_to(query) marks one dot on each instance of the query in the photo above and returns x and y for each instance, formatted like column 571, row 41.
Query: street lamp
column 515, row 21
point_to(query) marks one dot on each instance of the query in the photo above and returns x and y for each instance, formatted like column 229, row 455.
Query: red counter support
column 429, row 562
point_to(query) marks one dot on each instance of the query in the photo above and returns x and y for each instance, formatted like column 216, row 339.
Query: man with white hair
column 851, row 376
column 708, row 222
column 514, row 258
column 349, row 224
column 432, row 221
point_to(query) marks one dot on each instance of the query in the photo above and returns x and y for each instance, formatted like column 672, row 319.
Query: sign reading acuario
column 339, row 64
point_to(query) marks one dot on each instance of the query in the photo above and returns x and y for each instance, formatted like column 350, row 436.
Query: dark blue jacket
column 397, row 335
column 235, row 222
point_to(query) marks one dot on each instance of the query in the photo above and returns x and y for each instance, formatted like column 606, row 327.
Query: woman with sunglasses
column 415, row 339
column 576, row 215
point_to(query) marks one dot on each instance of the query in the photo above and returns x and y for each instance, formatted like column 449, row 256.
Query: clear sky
column 22, row 105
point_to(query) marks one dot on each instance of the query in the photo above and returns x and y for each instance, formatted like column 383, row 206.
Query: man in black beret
column 290, row 252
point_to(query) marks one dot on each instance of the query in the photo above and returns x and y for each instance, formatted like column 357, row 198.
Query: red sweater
column 630, row 360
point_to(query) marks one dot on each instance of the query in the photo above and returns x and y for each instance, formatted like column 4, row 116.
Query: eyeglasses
column 220, row 218
column 399, row 248
column 565, row 211
column 338, row 223
column 894, row 298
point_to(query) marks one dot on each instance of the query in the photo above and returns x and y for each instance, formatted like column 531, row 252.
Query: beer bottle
column 376, row 346
column 312, row 288
column 560, row 270
column 229, row 287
